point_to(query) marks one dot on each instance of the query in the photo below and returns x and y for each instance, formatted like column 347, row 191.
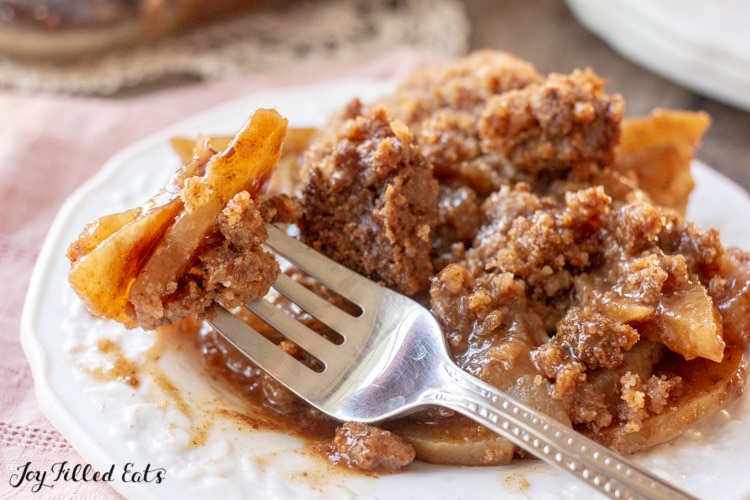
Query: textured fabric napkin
column 49, row 145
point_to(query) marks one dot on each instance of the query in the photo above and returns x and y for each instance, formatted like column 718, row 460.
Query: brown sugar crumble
column 370, row 200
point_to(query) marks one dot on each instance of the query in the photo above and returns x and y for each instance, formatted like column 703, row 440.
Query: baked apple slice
column 657, row 150
column 141, row 255
column 710, row 386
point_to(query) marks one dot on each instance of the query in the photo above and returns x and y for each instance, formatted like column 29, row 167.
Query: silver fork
column 393, row 360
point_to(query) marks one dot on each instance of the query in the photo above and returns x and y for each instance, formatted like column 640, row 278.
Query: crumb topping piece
column 369, row 201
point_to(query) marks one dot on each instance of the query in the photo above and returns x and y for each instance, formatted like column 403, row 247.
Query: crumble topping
column 369, row 201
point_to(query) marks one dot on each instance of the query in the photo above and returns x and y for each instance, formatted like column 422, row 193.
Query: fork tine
column 265, row 353
column 318, row 307
column 330, row 273
column 297, row 332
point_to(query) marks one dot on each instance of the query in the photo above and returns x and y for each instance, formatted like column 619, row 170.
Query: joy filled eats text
column 38, row 480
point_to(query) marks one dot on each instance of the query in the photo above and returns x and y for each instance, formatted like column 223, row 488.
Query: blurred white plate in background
column 703, row 45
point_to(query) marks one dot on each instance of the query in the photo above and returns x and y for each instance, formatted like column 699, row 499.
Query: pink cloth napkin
column 49, row 145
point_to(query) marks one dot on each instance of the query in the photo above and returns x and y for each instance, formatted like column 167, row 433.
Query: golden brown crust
column 552, row 125
column 369, row 202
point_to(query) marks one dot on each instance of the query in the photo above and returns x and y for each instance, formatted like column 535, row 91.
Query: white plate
column 703, row 45
column 112, row 424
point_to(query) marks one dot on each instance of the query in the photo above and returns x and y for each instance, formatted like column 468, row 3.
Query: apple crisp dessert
column 544, row 230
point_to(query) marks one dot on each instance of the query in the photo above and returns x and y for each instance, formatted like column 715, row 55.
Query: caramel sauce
column 121, row 369
column 266, row 404
column 241, row 397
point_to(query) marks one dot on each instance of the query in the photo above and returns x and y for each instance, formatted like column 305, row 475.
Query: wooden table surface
column 545, row 33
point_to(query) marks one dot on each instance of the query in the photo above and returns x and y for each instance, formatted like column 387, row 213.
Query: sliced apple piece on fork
column 143, row 250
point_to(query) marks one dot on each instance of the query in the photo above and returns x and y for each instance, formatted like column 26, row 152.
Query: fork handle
column 550, row 440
